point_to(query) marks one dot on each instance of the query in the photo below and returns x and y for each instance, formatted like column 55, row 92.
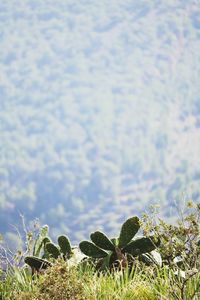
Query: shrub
column 56, row 283
column 121, row 251
column 180, row 246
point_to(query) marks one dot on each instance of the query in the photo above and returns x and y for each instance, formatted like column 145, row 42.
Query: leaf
column 52, row 249
column 92, row 250
column 140, row 246
column 37, row 263
column 64, row 244
column 102, row 241
column 153, row 257
column 128, row 231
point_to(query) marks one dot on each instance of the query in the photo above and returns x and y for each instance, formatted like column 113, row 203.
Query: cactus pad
column 37, row 263
column 128, row 231
column 140, row 246
column 92, row 250
column 64, row 245
column 102, row 241
column 52, row 250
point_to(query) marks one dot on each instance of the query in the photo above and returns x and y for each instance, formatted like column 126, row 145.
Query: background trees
column 99, row 111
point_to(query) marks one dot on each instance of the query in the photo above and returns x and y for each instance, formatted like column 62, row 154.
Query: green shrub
column 58, row 282
column 179, row 245
column 118, row 252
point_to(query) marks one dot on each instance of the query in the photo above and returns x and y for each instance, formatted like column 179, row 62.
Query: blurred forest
column 99, row 111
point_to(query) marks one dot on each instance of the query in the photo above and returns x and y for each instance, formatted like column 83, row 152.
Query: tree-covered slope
column 99, row 110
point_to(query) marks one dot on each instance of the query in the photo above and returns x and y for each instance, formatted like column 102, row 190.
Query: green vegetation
column 144, row 283
column 105, row 117
column 63, row 249
column 176, row 277
column 49, row 250
column 120, row 251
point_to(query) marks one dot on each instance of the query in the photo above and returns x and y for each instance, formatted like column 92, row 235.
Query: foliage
column 63, row 249
column 17, row 280
column 37, row 264
column 58, row 282
column 118, row 252
column 178, row 280
column 62, row 282
column 50, row 250
column 179, row 245
column 41, row 240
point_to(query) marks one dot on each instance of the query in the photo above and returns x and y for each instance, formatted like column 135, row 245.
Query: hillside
column 99, row 111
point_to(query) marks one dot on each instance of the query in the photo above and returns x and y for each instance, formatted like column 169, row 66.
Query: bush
column 57, row 282
column 180, row 244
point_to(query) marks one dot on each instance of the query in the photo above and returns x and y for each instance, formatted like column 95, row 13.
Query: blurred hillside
column 99, row 111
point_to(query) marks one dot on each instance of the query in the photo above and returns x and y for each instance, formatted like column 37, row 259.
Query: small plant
column 180, row 246
column 58, row 282
column 119, row 251
column 63, row 249
column 41, row 240
column 50, row 250
column 36, row 263
column 64, row 277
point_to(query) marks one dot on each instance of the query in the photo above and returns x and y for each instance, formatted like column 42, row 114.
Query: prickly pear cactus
column 92, row 250
column 65, row 246
column 36, row 263
column 118, row 251
column 63, row 249
column 102, row 241
column 53, row 250
column 140, row 246
column 128, row 231
column 45, row 252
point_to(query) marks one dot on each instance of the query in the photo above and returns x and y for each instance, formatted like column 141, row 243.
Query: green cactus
column 63, row 249
column 92, row 250
column 128, row 231
column 65, row 246
column 36, row 263
column 39, row 242
column 45, row 252
column 102, row 241
column 118, row 251
column 140, row 246
column 53, row 250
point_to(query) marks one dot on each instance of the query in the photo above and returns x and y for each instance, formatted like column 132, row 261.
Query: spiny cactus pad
column 92, row 250
column 46, row 240
column 64, row 245
column 37, row 263
column 52, row 249
column 45, row 253
column 128, row 231
column 139, row 246
column 102, row 241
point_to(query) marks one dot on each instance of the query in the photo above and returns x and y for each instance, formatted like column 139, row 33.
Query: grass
column 61, row 282
column 171, row 281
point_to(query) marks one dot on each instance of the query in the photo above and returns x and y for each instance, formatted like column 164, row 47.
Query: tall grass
column 171, row 281
column 61, row 282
